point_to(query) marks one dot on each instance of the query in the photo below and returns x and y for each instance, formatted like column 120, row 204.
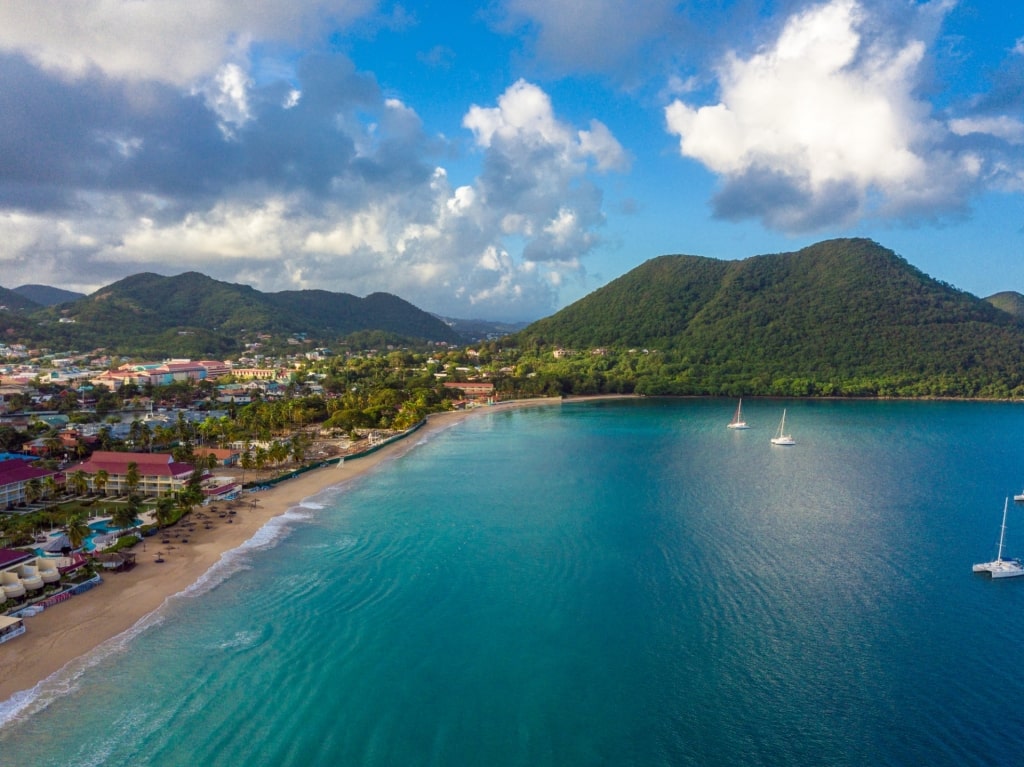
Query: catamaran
column 737, row 421
column 999, row 567
column 781, row 438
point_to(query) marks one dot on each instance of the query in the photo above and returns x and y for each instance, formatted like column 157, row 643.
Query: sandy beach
column 77, row 626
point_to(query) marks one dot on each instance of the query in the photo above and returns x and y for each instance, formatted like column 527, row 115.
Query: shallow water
column 621, row 583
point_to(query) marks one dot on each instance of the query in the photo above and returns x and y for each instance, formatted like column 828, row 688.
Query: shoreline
column 61, row 635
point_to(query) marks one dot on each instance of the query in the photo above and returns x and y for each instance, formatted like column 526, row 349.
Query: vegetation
column 840, row 318
column 194, row 315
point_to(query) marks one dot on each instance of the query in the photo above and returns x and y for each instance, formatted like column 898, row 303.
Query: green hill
column 12, row 301
column 842, row 316
column 1009, row 301
column 195, row 315
column 44, row 295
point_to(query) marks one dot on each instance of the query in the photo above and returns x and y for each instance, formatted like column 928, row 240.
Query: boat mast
column 1002, row 532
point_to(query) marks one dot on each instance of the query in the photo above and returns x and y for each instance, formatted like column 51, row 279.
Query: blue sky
column 501, row 160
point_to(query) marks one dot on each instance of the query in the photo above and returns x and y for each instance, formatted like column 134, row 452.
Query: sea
column 621, row 582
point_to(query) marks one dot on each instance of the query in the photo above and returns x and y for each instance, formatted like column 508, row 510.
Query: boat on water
column 999, row 567
column 737, row 421
column 1019, row 496
column 781, row 438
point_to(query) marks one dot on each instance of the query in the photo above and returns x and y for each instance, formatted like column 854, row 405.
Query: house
column 159, row 473
column 15, row 475
column 223, row 457
column 474, row 391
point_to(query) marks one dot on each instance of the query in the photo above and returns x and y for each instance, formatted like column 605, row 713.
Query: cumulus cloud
column 318, row 181
column 174, row 41
column 822, row 127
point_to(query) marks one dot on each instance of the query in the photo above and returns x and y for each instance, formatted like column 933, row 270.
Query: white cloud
column 227, row 96
column 177, row 41
column 382, row 224
column 1006, row 128
column 822, row 127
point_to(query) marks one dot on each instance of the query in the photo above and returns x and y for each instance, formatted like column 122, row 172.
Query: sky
column 501, row 160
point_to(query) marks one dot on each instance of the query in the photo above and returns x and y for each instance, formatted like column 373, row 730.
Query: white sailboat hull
column 781, row 438
column 999, row 567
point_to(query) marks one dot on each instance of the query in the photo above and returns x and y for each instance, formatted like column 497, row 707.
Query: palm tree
column 99, row 481
column 164, row 510
column 246, row 462
column 298, row 448
column 54, row 445
column 33, row 490
column 132, row 478
column 127, row 514
column 50, row 486
column 77, row 530
column 260, row 458
column 79, row 482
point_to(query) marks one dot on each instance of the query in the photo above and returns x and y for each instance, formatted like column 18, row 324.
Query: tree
column 125, row 515
column 246, row 462
column 77, row 530
column 50, row 486
column 164, row 512
column 33, row 489
column 132, row 478
column 99, row 481
column 79, row 482
column 54, row 445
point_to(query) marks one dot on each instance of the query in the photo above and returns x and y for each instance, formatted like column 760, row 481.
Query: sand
column 73, row 628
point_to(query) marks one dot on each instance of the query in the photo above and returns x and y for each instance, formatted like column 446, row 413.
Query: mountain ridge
column 826, row 315
column 194, row 314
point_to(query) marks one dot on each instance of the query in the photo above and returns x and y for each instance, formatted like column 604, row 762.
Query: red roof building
column 14, row 475
column 159, row 473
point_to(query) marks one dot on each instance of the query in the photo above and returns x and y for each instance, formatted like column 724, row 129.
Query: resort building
column 23, row 574
column 15, row 476
column 474, row 391
column 221, row 456
column 159, row 473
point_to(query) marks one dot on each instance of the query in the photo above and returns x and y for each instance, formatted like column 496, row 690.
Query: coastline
column 64, row 633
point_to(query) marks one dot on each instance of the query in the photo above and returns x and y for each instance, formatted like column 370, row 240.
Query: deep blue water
column 613, row 583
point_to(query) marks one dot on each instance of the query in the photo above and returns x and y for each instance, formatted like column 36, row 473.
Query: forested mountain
column 12, row 301
column 1009, row 301
column 192, row 314
column 829, row 318
column 44, row 295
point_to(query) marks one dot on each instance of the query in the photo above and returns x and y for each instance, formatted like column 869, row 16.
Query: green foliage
column 192, row 315
column 840, row 318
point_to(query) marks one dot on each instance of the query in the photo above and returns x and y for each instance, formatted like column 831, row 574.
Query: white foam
column 242, row 640
column 65, row 680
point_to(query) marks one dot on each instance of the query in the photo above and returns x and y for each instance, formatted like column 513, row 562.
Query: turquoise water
column 606, row 583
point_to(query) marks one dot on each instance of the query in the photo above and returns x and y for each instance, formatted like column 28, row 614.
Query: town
column 96, row 454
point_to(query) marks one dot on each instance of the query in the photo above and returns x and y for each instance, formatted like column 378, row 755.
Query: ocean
column 597, row 583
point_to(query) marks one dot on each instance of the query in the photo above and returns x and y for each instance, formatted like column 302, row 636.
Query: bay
column 603, row 583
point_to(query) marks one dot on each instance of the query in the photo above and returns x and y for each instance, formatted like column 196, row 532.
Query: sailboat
column 737, row 421
column 999, row 567
column 781, row 438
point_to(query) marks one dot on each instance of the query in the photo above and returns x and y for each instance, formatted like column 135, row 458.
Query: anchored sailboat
column 781, row 438
column 737, row 421
column 999, row 567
